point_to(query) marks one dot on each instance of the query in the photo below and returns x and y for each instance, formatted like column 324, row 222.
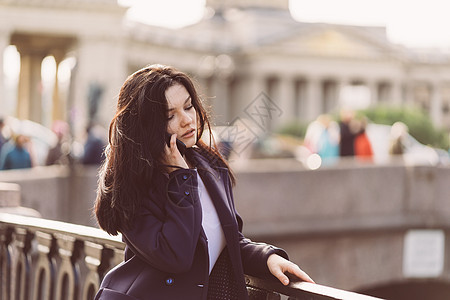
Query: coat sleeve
column 167, row 237
column 254, row 255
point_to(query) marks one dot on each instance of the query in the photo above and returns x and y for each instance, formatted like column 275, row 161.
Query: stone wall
column 345, row 226
column 271, row 199
column 344, row 198
column 56, row 192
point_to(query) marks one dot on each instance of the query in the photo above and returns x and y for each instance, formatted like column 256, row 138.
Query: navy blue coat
column 166, row 256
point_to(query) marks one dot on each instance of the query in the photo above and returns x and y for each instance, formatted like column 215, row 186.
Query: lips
column 189, row 133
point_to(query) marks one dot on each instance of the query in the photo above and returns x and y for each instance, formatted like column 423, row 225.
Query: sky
column 414, row 23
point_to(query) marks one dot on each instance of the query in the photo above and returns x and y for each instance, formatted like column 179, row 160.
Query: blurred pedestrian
column 328, row 143
column 3, row 138
column 398, row 138
column 347, row 133
column 94, row 146
column 312, row 135
column 363, row 147
column 59, row 154
column 18, row 157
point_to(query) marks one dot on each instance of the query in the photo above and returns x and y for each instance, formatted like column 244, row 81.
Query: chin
column 190, row 142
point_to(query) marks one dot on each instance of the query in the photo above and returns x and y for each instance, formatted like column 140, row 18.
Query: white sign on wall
column 423, row 253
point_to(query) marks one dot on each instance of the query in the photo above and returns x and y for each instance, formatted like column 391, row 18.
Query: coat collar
column 215, row 181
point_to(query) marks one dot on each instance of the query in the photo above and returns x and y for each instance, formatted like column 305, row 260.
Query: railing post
column 22, row 266
column 45, row 269
column 93, row 258
column 5, row 262
column 108, row 261
column 68, row 280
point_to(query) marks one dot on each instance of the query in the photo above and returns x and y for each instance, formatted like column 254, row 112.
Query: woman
column 175, row 212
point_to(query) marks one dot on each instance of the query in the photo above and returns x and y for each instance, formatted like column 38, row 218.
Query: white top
column 211, row 225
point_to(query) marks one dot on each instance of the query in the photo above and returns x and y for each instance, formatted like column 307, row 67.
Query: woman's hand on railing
column 278, row 266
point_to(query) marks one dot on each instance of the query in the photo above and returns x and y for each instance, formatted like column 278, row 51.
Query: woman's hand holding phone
column 173, row 155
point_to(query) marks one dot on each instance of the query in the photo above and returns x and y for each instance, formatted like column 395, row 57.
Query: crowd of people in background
column 17, row 149
column 329, row 138
column 346, row 137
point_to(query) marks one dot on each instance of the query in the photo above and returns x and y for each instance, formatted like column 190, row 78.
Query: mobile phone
column 180, row 145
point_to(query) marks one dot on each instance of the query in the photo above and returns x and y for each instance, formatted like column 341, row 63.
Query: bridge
column 45, row 259
column 376, row 230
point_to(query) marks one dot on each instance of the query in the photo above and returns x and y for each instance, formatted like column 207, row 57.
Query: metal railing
column 43, row 259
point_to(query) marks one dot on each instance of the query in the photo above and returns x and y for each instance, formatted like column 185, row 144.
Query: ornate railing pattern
column 43, row 259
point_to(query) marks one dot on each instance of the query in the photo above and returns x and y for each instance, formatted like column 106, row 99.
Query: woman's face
column 181, row 114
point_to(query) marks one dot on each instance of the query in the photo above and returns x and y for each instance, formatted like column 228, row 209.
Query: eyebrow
column 185, row 101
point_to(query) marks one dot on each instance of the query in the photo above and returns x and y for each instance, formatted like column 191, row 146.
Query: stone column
column 201, row 83
column 253, row 106
column 285, row 99
column 396, row 94
column 436, row 103
column 373, row 87
column 84, row 73
column 250, row 88
column 299, row 99
column 409, row 92
column 4, row 42
column 330, row 95
column 314, row 98
column 220, row 101
column 29, row 104
column 58, row 108
column 101, row 63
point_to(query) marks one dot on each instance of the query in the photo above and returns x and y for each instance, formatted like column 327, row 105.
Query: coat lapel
column 215, row 184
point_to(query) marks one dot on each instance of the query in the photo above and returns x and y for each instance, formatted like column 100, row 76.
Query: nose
column 186, row 119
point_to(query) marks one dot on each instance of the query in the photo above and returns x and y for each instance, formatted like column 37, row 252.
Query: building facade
column 238, row 51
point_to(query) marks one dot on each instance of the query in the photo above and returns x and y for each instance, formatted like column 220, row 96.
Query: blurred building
column 239, row 49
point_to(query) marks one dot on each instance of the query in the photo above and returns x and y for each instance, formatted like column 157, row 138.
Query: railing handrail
column 88, row 233
column 25, row 225
column 301, row 289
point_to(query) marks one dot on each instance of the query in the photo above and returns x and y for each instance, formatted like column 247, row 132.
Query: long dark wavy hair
column 137, row 141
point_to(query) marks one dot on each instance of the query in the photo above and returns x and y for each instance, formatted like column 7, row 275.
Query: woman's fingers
column 173, row 142
column 169, row 147
column 281, row 277
column 279, row 266
column 173, row 156
column 295, row 270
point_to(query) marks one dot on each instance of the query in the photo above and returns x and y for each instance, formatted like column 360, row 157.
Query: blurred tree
column 294, row 128
column 419, row 123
